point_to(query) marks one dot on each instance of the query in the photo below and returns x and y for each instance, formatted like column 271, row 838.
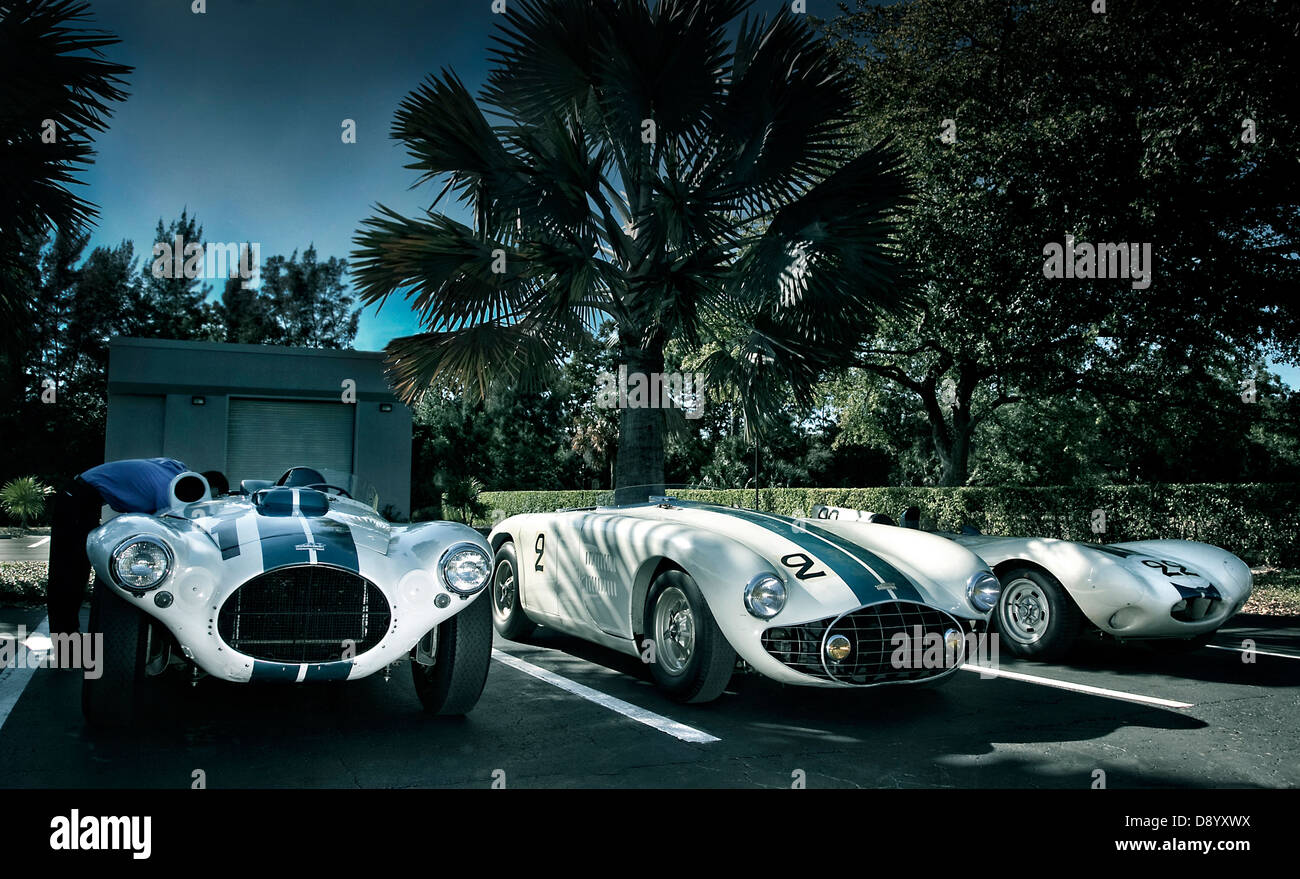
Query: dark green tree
column 306, row 302
column 1169, row 122
column 56, row 92
column 177, row 305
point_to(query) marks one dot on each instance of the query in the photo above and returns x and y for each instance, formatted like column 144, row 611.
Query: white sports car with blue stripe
column 292, row 582
column 1170, row 594
column 692, row 588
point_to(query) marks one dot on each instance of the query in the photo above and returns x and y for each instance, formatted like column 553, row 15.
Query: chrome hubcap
column 1026, row 613
column 674, row 630
column 503, row 588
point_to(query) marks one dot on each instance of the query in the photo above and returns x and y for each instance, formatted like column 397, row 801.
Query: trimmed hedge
column 1257, row 521
column 25, row 580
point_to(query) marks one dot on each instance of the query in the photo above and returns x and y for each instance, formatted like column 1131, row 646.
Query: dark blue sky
column 235, row 114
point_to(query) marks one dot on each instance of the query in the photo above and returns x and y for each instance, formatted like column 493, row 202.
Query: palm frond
column 825, row 267
column 50, row 69
column 444, row 267
column 790, row 104
column 468, row 359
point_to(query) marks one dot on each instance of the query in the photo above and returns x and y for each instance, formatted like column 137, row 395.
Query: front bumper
column 304, row 644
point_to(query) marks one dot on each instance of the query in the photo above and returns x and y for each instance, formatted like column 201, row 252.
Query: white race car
column 689, row 587
column 1174, row 594
column 288, row 582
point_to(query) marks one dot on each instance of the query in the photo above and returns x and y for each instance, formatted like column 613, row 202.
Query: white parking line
column 627, row 709
column 1259, row 652
column 1078, row 688
column 41, row 542
column 14, row 678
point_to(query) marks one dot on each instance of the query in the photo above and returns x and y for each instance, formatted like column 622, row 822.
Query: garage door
column 266, row 437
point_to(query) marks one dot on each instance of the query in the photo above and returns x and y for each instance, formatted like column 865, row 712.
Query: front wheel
column 450, row 671
column 691, row 659
column 507, row 612
column 111, row 699
column 1036, row 617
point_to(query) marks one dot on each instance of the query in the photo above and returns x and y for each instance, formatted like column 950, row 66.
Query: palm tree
column 24, row 498
column 54, row 94
column 641, row 166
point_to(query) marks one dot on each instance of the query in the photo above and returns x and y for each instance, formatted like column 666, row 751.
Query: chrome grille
column 871, row 633
column 308, row 613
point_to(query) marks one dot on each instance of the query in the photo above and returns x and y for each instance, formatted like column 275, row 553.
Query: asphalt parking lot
column 558, row 712
column 28, row 548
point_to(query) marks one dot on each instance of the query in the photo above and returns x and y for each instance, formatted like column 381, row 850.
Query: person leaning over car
column 135, row 485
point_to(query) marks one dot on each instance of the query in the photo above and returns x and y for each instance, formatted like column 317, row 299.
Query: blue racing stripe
column 268, row 672
column 843, row 557
column 265, row 672
column 340, row 549
column 227, row 539
column 329, row 671
column 281, row 537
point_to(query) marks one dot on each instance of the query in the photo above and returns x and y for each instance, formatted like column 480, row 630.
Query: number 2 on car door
column 540, row 547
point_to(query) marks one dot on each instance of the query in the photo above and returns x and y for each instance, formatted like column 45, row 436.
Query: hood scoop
column 292, row 502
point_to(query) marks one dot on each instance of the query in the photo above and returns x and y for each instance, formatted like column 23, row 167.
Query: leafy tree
column 177, row 307
column 56, row 92
column 248, row 315
column 304, row 302
column 644, row 166
column 510, row 439
column 1122, row 127
column 593, row 428
column 460, row 496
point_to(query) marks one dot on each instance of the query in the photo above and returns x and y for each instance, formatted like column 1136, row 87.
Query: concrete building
column 253, row 411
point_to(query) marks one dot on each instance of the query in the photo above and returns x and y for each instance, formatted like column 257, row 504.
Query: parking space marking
column 41, row 542
column 1077, row 688
column 14, row 678
column 1259, row 652
column 627, row 709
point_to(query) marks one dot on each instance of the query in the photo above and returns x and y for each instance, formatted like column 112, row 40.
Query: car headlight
column 465, row 568
column 141, row 562
column 982, row 591
column 765, row 596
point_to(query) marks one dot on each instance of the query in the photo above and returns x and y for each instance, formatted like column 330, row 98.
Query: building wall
column 152, row 386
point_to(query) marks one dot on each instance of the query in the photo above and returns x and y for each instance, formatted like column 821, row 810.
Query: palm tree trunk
column 640, row 460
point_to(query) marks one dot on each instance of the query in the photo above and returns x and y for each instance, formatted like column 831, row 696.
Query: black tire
column 509, row 620
column 1017, row 630
column 113, row 700
column 453, row 684
column 704, row 675
column 1179, row 646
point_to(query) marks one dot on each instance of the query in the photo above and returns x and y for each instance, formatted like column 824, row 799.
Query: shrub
column 25, row 580
column 24, row 498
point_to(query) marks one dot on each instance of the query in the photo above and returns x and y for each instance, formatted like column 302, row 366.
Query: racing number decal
column 540, row 547
column 828, row 513
column 1170, row 569
column 801, row 565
